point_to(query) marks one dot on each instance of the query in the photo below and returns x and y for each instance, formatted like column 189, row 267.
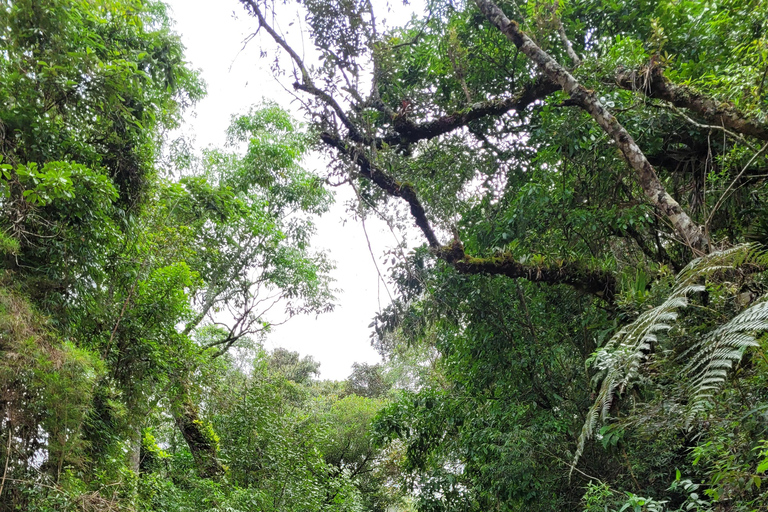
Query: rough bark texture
column 198, row 438
column 650, row 81
column 688, row 230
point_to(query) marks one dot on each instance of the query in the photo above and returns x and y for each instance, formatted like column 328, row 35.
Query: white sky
column 237, row 77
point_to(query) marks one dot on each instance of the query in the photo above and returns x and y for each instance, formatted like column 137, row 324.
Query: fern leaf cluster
column 717, row 352
column 619, row 362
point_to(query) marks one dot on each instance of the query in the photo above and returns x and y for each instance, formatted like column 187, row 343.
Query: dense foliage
column 584, row 327
column 138, row 280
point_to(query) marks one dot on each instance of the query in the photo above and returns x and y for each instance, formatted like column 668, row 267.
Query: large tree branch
column 386, row 183
column 690, row 232
column 596, row 282
column 651, row 81
column 409, row 132
column 306, row 84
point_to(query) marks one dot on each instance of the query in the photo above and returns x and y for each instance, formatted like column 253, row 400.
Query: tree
column 599, row 147
column 293, row 366
column 368, row 380
column 120, row 277
column 288, row 444
column 86, row 91
column 250, row 246
column 92, row 85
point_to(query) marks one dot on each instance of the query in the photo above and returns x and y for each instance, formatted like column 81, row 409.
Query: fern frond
column 619, row 361
column 717, row 352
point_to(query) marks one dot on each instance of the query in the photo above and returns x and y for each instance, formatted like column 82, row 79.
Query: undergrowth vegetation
column 579, row 305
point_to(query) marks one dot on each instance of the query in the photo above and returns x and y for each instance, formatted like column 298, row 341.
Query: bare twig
column 306, row 84
column 370, row 249
column 722, row 128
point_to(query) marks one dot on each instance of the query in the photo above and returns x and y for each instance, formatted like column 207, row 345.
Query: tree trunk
column 200, row 438
column 691, row 234
column 134, row 456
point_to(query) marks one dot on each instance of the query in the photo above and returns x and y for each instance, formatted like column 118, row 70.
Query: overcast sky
column 237, row 77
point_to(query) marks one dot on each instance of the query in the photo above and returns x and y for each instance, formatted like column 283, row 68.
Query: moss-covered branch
column 597, row 282
column 650, row 80
column 200, row 438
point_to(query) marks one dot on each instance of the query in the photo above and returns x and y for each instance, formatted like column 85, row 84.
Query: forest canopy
column 581, row 324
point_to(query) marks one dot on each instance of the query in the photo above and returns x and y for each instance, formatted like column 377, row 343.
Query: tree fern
column 619, row 362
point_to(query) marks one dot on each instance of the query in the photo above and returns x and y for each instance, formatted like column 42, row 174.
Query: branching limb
column 690, row 232
column 652, row 82
column 567, row 43
column 728, row 132
column 409, row 132
column 306, row 84
column 597, row 282
column 387, row 184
